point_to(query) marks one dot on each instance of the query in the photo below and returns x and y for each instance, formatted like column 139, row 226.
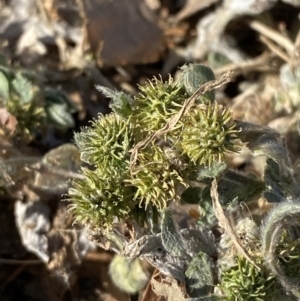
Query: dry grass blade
column 224, row 223
column 261, row 63
column 18, row 261
column 225, row 78
column 274, row 48
column 274, row 35
column 296, row 54
column 192, row 7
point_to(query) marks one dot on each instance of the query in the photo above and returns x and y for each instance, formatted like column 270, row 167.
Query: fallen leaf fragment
column 169, row 288
column 8, row 121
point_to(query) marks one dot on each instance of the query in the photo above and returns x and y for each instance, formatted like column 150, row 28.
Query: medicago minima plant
column 172, row 143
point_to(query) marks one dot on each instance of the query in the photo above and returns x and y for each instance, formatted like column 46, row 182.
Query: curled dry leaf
column 33, row 223
column 67, row 248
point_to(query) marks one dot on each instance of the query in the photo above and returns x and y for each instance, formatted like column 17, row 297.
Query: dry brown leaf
column 149, row 294
column 7, row 120
column 168, row 287
column 123, row 32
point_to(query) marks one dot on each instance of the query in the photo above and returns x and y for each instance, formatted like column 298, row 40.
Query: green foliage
column 171, row 239
column 105, row 144
column 103, row 195
column 121, row 103
column 158, row 177
column 172, row 143
column 244, row 187
column 33, row 106
column 275, row 253
column 97, row 201
column 23, row 100
column 199, row 276
column 59, row 109
column 244, row 282
column 195, row 75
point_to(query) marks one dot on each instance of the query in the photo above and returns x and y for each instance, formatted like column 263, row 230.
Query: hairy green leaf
column 199, row 276
column 171, row 239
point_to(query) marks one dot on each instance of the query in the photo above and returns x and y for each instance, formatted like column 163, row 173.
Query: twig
column 274, row 35
column 219, row 212
column 274, row 48
column 296, row 54
column 259, row 63
column 12, row 276
column 104, row 257
column 16, row 261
